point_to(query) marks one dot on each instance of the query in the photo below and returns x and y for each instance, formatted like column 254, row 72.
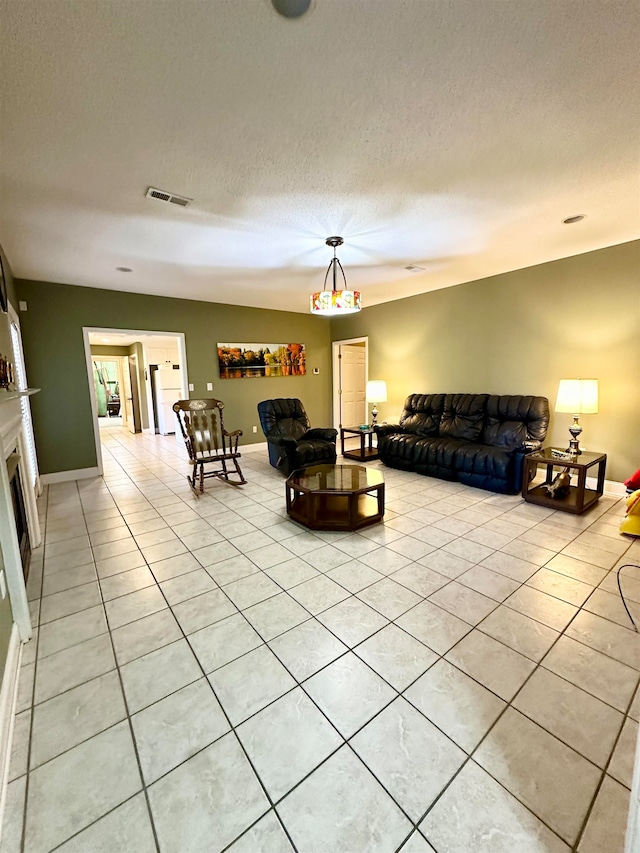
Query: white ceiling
column 451, row 134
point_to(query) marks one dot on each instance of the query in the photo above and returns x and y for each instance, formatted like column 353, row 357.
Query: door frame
column 132, row 367
column 86, row 331
column 335, row 366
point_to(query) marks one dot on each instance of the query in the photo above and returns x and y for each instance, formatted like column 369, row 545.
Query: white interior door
column 353, row 379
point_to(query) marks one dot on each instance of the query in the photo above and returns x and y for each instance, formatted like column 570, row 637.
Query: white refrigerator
column 168, row 387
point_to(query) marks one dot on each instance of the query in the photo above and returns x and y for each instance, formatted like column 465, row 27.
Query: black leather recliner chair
column 292, row 444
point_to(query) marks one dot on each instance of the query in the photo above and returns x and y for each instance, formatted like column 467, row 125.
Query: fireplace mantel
column 5, row 396
column 13, row 437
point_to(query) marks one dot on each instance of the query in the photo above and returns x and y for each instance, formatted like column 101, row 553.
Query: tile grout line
column 604, row 770
column 131, row 733
column 350, row 648
column 23, row 834
column 231, row 729
column 481, row 741
column 503, row 712
column 352, row 595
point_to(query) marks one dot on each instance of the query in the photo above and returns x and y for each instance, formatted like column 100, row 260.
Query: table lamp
column 577, row 397
column 376, row 393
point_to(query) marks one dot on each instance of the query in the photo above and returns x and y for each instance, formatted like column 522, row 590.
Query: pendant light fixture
column 334, row 303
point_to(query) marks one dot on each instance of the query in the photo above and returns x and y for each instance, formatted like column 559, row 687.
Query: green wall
column 56, row 363
column 519, row 333
column 6, row 616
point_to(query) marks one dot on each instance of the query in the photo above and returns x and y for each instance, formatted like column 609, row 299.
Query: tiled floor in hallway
column 208, row 676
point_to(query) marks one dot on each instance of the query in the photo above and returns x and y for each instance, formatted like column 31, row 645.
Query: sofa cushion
column 436, row 456
column 512, row 419
column 398, row 445
column 463, row 416
column 482, row 461
column 422, row 414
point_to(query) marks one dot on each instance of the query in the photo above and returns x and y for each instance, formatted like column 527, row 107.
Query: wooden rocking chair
column 199, row 426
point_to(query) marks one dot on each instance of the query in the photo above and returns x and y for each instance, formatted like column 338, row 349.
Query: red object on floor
column 634, row 481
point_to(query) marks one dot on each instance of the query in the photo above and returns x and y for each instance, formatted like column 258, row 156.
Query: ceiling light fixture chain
column 335, row 242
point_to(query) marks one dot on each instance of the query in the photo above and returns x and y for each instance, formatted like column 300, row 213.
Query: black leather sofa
column 292, row 443
column 477, row 439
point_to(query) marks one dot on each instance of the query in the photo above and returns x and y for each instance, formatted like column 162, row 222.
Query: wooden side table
column 580, row 498
column 363, row 453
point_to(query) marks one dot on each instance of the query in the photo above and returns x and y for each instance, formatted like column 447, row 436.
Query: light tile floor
column 207, row 676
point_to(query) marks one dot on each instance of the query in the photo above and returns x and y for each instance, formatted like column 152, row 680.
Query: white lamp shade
column 577, row 396
column 376, row 391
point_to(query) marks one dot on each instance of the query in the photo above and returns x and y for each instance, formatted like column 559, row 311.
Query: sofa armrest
column 321, row 433
column 525, row 449
column 387, row 429
column 530, row 446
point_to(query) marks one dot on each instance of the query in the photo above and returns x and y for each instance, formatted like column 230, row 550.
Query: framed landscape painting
column 245, row 361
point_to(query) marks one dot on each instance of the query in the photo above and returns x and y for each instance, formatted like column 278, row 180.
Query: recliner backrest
column 463, row 416
column 422, row 414
column 514, row 418
column 284, row 416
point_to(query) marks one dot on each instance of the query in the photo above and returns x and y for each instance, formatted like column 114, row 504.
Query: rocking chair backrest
column 199, row 425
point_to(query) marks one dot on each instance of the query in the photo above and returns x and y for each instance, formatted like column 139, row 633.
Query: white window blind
column 21, row 380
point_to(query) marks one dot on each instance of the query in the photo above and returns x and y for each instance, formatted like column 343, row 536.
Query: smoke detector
column 170, row 198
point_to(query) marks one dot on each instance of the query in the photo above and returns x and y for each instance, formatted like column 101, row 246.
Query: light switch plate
column 3, row 585
column 22, row 306
column 191, row 388
column 209, row 386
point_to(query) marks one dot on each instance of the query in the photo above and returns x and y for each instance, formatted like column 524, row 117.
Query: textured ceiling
column 451, row 134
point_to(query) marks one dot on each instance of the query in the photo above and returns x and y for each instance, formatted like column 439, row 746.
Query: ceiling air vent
column 414, row 268
column 171, row 198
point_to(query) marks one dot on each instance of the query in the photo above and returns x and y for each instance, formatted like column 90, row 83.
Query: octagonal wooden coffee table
column 335, row 497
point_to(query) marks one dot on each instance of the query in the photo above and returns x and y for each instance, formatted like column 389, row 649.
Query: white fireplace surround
column 12, row 437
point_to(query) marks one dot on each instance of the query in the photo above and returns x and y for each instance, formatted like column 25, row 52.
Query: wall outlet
column 254, row 429
column 316, row 371
column 209, row 386
column 191, row 388
column 3, row 585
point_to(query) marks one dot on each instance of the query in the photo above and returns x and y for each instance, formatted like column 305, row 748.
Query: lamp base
column 575, row 429
column 374, row 416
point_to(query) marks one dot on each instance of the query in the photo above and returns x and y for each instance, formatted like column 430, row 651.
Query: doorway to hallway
column 122, row 365
column 109, row 389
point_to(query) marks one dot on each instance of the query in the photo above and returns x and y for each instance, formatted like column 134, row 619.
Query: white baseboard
column 250, row 448
column 8, row 697
column 611, row 487
column 65, row 476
